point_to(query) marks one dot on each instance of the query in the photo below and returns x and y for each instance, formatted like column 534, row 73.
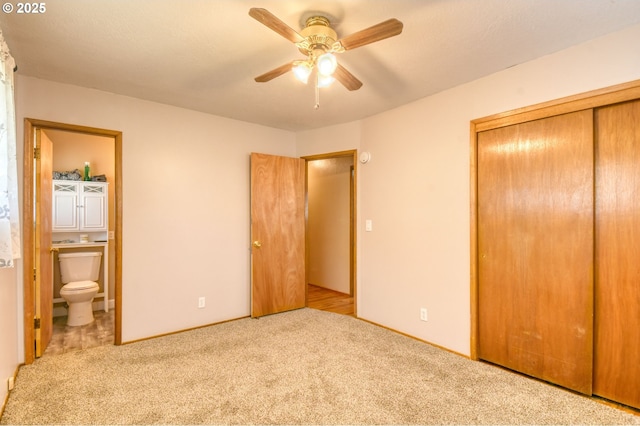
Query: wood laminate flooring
column 66, row 338
column 329, row 300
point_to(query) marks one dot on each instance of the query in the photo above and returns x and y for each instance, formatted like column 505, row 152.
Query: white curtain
column 9, row 220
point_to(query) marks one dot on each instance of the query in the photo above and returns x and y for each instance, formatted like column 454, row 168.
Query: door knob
column 257, row 244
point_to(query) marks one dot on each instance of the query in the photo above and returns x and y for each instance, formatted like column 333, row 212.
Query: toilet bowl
column 78, row 272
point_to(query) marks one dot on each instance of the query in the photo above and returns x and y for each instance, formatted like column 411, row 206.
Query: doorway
column 331, row 232
column 33, row 226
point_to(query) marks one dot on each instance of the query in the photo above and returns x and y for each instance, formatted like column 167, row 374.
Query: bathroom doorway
column 38, row 322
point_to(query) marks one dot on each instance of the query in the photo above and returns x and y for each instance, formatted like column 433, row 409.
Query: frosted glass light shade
column 325, row 80
column 302, row 70
column 326, row 64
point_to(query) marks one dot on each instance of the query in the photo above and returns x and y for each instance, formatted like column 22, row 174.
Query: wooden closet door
column 617, row 287
column 535, row 248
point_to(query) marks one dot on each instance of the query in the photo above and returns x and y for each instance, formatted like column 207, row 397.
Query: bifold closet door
column 535, row 248
column 617, row 292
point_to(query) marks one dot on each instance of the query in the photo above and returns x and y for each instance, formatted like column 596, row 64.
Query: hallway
column 329, row 300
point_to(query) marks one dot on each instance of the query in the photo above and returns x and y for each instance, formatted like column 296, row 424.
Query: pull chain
column 317, row 105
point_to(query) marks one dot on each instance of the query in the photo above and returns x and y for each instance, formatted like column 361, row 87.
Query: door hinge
column 36, row 153
column 36, row 323
column 34, row 274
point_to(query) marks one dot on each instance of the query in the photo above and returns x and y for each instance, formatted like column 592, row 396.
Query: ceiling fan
column 318, row 42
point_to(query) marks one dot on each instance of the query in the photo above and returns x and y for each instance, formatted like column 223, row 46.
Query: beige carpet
column 300, row 367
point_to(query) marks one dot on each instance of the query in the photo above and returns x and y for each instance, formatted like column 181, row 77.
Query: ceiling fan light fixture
column 318, row 42
column 325, row 80
column 302, row 71
column 326, row 64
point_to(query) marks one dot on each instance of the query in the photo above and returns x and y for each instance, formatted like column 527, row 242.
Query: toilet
column 79, row 272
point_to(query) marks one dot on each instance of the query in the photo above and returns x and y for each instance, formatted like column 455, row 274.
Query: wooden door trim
column 354, row 232
column 592, row 99
column 42, row 241
column 30, row 126
column 588, row 100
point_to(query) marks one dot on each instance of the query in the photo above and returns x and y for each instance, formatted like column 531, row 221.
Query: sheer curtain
column 9, row 221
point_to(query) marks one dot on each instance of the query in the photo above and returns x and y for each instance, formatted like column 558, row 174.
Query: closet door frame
column 593, row 99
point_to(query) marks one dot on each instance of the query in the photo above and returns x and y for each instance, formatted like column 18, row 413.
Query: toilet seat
column 80, row 285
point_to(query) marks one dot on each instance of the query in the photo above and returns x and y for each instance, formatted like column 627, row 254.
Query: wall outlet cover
column 423, row 314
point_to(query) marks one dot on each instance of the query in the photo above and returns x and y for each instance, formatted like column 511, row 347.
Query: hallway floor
column 329, row 300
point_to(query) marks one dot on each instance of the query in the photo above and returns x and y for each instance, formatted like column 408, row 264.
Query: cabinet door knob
column 257, row 244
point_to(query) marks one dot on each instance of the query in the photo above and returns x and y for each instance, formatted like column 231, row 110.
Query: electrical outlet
column 201, row 302
column 423, row 314
column 10, row 383
column 112, row 235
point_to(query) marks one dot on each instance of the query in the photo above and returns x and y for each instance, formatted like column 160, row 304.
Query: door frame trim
column 354, row 216
column 30, row 126
column 587, row 100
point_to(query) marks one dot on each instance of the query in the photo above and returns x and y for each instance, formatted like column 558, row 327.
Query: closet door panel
column 535, row 248
column 617, row 291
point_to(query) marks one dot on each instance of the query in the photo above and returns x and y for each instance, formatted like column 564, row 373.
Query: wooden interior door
column 277, row 234
column 617, row 286
column 43, row 261
column 535, row 248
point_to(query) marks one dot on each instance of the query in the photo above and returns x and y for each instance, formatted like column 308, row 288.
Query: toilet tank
column 79, row 266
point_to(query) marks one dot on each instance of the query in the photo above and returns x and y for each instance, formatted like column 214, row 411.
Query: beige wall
column 71, row 150
column 10, row 326
column 329, row 223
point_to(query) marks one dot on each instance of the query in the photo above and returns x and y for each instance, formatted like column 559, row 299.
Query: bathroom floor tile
column 66, row 338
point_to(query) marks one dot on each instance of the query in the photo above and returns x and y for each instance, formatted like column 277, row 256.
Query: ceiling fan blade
column 386, row 29
column 347, row 79
column 270, row 20
column 277, row 72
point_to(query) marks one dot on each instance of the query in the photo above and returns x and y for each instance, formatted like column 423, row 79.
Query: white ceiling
column 204, row 54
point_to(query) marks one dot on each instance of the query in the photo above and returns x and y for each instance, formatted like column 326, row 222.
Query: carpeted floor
column 299, row 367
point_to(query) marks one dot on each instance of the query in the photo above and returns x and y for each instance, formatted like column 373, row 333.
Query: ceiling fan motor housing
column 319, row 37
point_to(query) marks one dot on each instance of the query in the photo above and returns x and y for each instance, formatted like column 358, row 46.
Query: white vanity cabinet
column 79, row 206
